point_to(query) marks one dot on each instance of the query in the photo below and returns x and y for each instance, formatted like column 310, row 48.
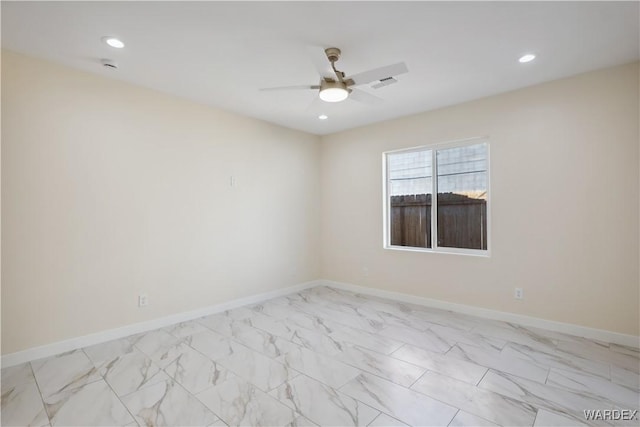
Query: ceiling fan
column 335, row 86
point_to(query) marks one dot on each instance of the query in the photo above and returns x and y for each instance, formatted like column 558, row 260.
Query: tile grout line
column 483, row 375
column 454, row 416
column 536, row 417
column 135, row 420
column 44, row 404
column 418, row 379
column 373, row 420
column 546, row 378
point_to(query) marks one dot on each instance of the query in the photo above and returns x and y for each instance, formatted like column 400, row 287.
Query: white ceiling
column 221, row 53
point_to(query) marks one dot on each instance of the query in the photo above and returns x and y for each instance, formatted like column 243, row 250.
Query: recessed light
column 113, row 42
column 527, row 58
column 323, row 117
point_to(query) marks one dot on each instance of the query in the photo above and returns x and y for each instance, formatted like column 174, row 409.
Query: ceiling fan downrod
column 333, row 55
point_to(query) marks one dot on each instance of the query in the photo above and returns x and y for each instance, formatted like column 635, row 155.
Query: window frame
column 386, row 205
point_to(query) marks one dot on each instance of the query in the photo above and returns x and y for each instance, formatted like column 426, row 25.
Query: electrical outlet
column 143, row 300
column 518, row 293
column 365, row 271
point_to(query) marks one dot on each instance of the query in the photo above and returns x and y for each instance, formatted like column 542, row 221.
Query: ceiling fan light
column 333, row 94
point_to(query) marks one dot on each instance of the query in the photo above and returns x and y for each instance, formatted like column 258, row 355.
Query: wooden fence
column 461, row 221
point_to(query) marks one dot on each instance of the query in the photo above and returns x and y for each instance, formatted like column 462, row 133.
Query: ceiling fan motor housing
column 331, row 84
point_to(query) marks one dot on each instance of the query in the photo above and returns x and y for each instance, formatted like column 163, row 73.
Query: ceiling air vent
column 384, row 82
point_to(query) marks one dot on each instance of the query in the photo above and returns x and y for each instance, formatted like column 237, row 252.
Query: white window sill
column 448, row 251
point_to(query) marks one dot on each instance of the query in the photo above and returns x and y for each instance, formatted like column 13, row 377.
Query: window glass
column 462, row 197
column 410, row 182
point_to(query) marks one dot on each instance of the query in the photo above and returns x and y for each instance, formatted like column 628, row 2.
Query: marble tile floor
column 327, row 357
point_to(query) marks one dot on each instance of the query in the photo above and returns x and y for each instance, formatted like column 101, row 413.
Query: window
column 456, row 220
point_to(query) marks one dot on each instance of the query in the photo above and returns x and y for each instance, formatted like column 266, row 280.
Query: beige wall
column 109, row 189
column 564, row 188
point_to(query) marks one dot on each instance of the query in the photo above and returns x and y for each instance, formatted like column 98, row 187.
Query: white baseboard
column 47, row 350
column 567, row 328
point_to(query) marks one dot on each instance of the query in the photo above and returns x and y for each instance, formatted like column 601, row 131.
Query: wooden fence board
column 461, row 221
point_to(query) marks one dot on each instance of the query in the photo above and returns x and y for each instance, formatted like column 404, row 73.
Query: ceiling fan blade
column 364, row 97
column 298, row 87
column 379, row 73
column 321, row 63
